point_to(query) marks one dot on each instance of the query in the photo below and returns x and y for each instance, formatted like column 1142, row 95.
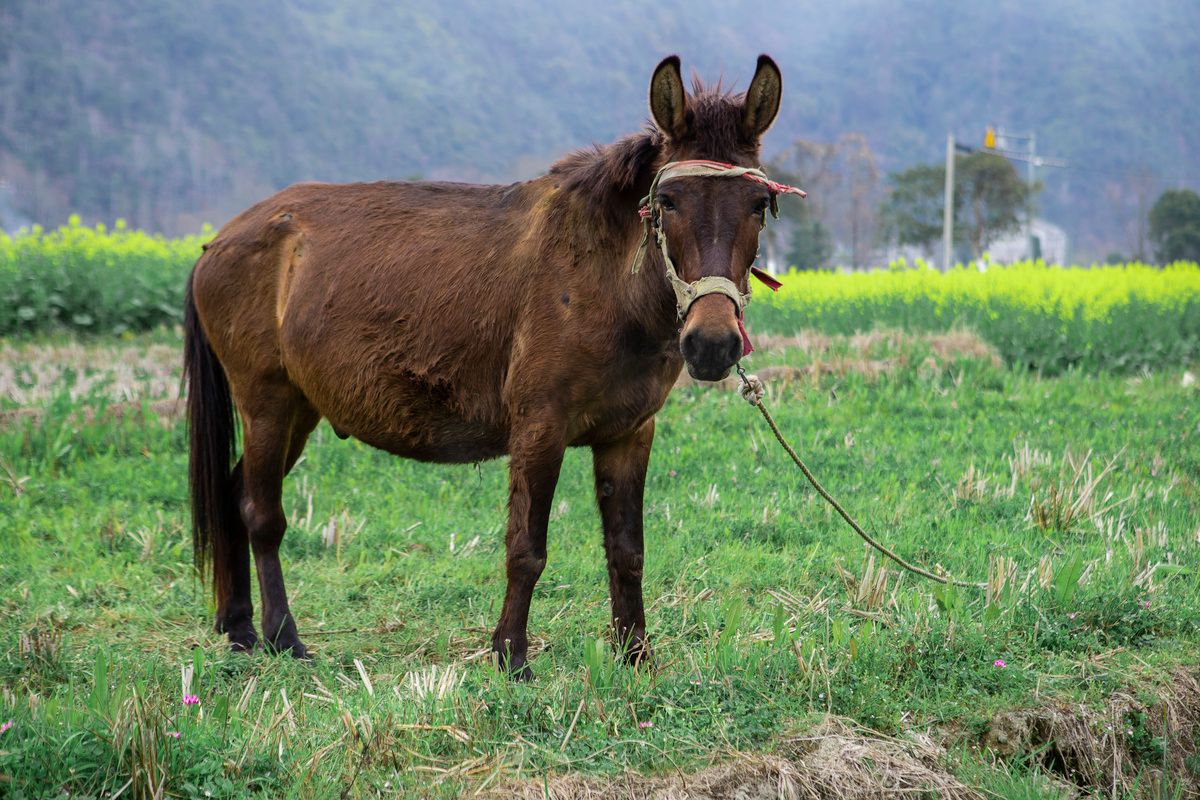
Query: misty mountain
column 172, row 113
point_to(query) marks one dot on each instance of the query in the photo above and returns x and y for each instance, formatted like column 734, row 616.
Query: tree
column 796, row 237
column 1175, row 226
column 842, row 182
column 990, row 199
column 994, row 198
column 911, row 213
column 812, row 245
column 863, row 178
column 1143, row 185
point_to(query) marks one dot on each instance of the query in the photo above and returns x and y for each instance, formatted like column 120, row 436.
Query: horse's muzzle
column 710, row 355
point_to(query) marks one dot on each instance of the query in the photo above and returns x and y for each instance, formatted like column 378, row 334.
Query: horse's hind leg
column 275, row 428
column 235, row 617
column 235, row 611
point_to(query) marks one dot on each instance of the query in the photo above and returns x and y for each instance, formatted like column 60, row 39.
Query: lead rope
column 752, row 392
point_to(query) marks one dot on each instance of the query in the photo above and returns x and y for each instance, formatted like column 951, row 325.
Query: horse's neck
column 594, row 197
column 643, row 295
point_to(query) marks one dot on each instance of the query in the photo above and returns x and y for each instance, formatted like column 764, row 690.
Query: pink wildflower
column 191, row 700
column 5, row 726
column 999, row 663
column 646, row 724
column 1145, row 604
column 174, row 734
column 1072, row 615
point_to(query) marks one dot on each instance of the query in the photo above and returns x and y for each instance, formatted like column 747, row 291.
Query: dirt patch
column 783, row 374
column 164, row 411
column 34, row 373
column 870, row 354
column 946, row 346
column 836, row 760
column 114, row 382
column 962, row 344
column 1141, row 743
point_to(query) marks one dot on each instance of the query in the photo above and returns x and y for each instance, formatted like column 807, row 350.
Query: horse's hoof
column 242, row 639
column 513, row 667
column 295, row 648
column 635, row 651
column 641, row 655
column 299, row 652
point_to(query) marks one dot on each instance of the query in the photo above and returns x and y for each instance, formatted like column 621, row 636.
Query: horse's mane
column 601, row 172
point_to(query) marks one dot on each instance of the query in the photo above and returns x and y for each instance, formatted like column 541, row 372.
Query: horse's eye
column 760, row 208
column 666, row 204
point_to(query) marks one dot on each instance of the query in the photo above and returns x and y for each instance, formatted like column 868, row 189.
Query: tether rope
column 752, row 391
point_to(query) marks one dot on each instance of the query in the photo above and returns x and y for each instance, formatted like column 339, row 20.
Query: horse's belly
column 409, row 417
column 425, row 432
column 444, row 441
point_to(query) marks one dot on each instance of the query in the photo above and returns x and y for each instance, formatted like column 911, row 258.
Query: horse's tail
column 211, row 434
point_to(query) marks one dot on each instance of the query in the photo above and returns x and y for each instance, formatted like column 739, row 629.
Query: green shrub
column 93, row 279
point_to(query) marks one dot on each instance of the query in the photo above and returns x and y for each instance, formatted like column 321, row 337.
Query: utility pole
column 948, row 206
column 1003, row 144
column 1032, row 164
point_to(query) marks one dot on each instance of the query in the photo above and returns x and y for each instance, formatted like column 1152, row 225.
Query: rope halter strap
column 688, row 293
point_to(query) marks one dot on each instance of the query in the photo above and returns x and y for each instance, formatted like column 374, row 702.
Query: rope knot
column 752, row 389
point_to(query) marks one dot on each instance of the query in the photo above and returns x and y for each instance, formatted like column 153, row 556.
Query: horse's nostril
column 733, row 346
column 711, row 354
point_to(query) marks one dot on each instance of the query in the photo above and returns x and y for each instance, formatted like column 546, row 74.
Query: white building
column 1011, row 247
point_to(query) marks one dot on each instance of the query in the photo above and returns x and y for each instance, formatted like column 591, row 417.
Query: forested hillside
column 172, row 113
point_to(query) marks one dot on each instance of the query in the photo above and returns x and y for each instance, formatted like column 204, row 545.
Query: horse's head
column 710, row 225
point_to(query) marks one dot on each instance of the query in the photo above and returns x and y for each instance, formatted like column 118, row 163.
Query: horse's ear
column 668, row 103
column 762, row 98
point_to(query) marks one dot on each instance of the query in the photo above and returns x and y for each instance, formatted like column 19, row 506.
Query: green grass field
column 787, row 655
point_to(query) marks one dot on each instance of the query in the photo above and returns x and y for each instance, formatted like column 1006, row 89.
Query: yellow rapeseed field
column 1111, row 316
column 1127, row 316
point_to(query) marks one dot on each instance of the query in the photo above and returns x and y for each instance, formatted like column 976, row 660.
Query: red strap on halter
column 773, row 285
column 767, row 278
column 747, row 348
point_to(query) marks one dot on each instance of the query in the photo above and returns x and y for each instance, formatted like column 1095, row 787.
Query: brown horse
column 453, row 323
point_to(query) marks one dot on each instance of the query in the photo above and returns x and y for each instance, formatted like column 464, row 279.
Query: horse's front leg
column 536, row 456
column 620, row 469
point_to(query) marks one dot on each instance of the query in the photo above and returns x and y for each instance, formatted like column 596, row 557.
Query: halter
column 688, row 293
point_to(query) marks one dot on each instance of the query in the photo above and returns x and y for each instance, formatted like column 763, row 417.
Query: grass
column 1076, row 497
